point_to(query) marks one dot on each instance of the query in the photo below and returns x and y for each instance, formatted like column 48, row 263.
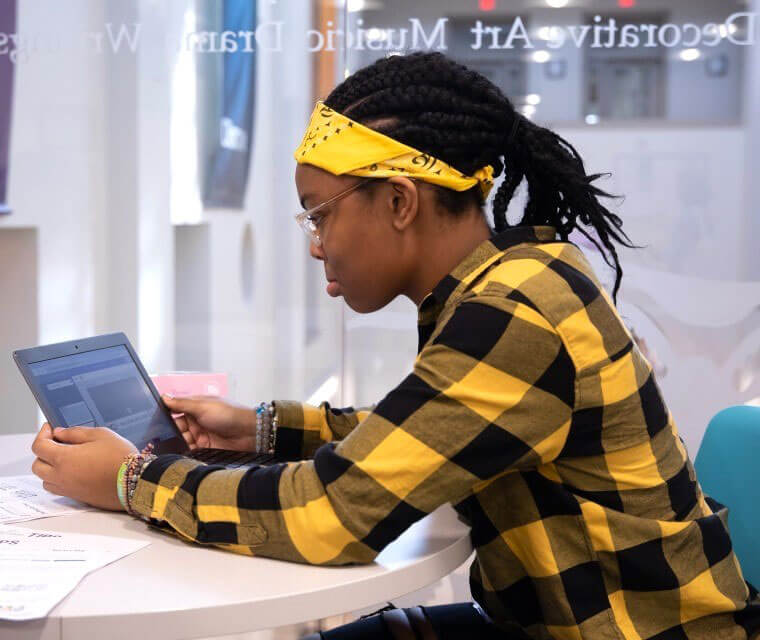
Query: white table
column 172, row 589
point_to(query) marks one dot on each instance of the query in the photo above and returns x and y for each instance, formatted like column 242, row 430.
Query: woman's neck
column 443, row 249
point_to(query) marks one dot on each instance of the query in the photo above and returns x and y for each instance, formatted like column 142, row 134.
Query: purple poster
column 7, row 27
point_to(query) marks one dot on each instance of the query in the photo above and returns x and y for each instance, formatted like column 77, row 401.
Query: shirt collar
column 469, row 268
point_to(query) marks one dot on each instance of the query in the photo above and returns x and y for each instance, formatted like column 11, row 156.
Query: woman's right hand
column 208, row 421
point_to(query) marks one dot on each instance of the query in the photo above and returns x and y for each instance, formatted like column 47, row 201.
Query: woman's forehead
column 312, row 181
column 309, row 174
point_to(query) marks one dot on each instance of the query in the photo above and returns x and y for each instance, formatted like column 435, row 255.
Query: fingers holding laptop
column 182, row 424
column 185, row 412
column 209, row 421
column 42, row 466
column 45, row 447
column 81, row 463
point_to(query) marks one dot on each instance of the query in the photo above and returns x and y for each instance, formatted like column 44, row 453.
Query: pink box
column 191, row 383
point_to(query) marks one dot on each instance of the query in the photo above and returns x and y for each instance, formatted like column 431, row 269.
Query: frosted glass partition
column 118, row 107
column 665, row 96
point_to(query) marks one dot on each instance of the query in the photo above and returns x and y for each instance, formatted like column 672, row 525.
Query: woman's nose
column 316, row 251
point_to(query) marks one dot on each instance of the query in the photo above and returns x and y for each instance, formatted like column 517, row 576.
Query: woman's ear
column 403, row 202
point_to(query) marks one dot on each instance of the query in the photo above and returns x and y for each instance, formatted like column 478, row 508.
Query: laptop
column 100, row 382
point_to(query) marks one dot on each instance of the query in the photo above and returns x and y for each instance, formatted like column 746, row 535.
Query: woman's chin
column 362, row 306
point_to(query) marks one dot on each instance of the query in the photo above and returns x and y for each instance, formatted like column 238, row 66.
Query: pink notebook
column 191, row 383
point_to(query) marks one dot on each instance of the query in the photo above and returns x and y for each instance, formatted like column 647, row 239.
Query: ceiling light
column 689, row 55
column 354, row 6
column 546, row 33
column 557, row 4
column 541, row 56
column 533, row 98
column 380, row 35
column 592, row 119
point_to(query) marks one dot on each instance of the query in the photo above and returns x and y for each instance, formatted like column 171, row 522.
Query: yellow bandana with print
column 341, row 146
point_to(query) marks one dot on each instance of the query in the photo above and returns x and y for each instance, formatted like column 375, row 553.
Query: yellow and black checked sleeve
column 478, row 403
column 303, row 428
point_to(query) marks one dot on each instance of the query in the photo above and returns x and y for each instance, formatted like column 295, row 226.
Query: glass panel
column 118, row 112
column 664, row 96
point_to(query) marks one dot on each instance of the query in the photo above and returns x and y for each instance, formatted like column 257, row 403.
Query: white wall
column 18, row 329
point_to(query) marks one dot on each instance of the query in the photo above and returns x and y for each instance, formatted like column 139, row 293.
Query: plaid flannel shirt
column 532, row 411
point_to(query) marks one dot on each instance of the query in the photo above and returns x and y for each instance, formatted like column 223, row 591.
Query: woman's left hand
column 81, row 463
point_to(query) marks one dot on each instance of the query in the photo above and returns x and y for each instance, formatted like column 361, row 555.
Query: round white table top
column 174, row 589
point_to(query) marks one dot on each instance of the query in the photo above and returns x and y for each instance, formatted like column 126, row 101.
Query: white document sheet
column 23, row 498
column 40, row 568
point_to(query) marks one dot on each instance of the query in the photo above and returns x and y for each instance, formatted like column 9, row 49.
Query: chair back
column 728, row 468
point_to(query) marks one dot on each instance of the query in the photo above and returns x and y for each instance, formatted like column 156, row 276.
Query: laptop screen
column 103, row 388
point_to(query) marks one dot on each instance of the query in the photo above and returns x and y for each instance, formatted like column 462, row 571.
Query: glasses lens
column 309, row 228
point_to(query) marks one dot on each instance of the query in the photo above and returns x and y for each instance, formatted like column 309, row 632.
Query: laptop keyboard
column 229, row 458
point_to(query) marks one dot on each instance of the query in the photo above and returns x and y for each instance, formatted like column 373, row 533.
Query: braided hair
column 431, row 103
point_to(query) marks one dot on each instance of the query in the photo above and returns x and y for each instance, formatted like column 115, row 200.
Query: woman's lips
column 333, row 288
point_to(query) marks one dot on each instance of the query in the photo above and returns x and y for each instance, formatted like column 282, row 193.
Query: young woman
column 529, row 407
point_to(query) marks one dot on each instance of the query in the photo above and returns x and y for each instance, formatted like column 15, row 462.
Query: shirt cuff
column 301, row 430
column 158, row 484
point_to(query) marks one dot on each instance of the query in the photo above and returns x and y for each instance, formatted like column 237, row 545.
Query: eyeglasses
column 310, row 219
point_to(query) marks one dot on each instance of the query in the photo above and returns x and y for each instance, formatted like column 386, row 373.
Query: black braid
column 438, row 106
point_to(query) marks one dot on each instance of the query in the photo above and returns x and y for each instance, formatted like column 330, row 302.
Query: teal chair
column 728, row 468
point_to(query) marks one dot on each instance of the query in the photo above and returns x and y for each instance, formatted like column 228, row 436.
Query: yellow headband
column 341, row 146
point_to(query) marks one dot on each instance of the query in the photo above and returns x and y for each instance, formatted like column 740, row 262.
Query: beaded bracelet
column 275, row 424
column 129, row 473
column 139, row 467
column 261, row 425
column 266, row 428
column 120, row 484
